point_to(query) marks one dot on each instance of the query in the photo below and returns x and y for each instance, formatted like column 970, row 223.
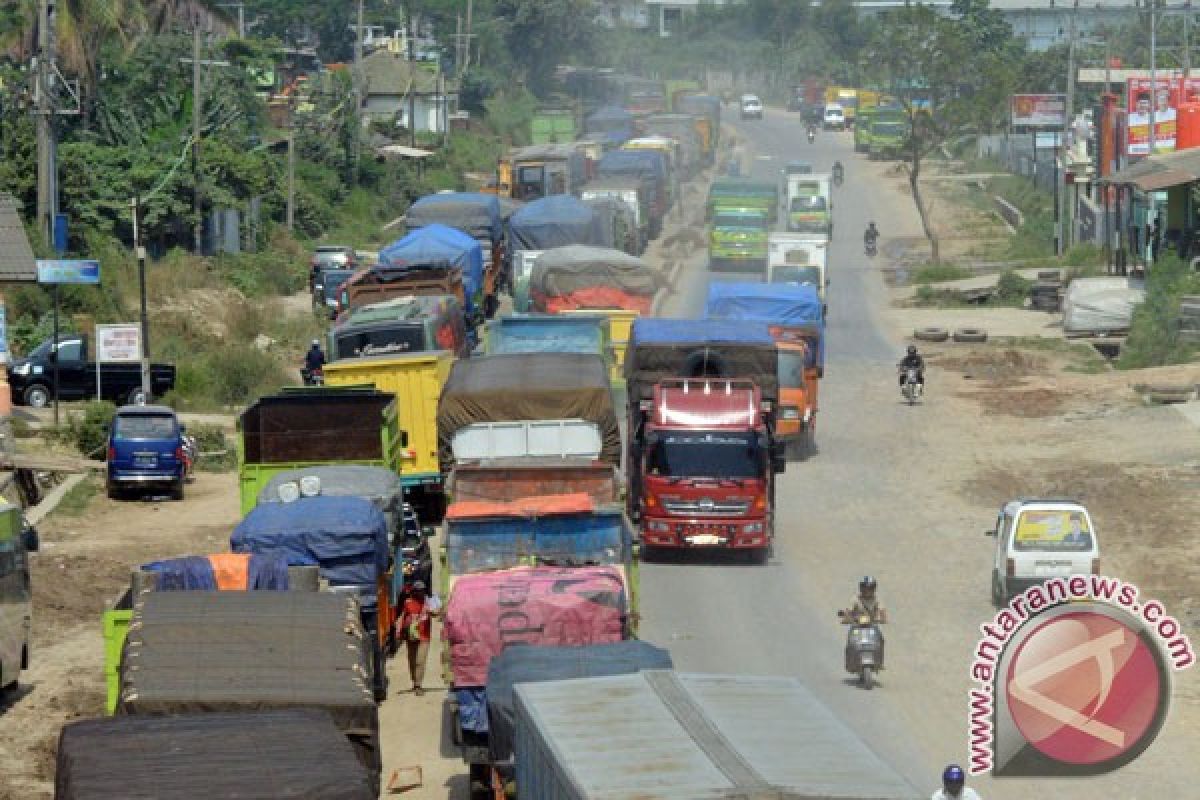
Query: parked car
column 32, row 377
column 145, row 451
column 331, row 256
column 1037, row 540
column 325, row 289
column 752, row 107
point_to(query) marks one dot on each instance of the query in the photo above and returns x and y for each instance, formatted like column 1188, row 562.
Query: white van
column 17, row 541
column 835, row 118
column 1037, row 540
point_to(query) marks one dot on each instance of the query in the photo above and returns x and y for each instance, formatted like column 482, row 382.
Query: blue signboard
column 3, row 334
column 68, row 271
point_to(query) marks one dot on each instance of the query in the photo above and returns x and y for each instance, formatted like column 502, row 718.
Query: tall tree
column 541, row 34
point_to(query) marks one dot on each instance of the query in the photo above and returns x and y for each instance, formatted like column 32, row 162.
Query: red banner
column 1164, row 96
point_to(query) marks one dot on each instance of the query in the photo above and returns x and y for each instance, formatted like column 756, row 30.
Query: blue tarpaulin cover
column 474, row 213
column 438, row 244
column 482, row 544
column 614, row 122
column 472, row 709
column 696, row 331
column 195, row 573
column 633, row 162
column 775, row 303
column 555, row 221
column 346, row 537
column 534, row 664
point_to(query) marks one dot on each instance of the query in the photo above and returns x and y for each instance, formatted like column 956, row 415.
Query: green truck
column 309, row 427
column 862, row 131
column 743, row 193
column 737, row 240
column 888, row 133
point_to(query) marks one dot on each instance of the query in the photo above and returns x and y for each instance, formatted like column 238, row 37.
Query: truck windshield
column 888, row 128
column 808, row 202
column 739, row 221
column 791, row 369
column 144, row 426
column 801, row 275
column 406, row 338
column 706, row 454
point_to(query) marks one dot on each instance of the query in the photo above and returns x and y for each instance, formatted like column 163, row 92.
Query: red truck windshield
column 702, row 454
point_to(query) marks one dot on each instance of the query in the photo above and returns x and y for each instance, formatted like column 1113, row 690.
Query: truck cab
column 737, row 239
column 799, row 259
column 705, row 466
column 1038, row 539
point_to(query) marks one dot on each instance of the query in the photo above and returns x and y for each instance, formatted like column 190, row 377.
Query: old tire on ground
column 931, row 334
column 971, row 335
column 37, row 396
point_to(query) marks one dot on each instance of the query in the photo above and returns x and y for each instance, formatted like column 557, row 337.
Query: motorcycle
column 871, row 248
column 190, row 453
column 312, row 377
column 864, row 647
column 911, row 388
column 812, row 135
column 838, row 177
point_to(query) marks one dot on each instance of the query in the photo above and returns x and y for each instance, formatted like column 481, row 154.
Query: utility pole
column 291, row 174
column 197, row 196
column 467, row 59
column 135, row 206
column 1061, row 188
column 1187, row 50
column 360, row 91
column 1152, row 140
column 412, row 81
column 47, row 175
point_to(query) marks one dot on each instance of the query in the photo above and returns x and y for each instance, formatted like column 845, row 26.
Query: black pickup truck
column 32, row 377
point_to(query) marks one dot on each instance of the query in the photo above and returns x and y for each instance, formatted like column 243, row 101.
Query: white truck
column 801, row 258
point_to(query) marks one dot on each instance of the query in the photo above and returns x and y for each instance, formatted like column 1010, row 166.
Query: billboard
column 1164, row 95
column 1039, row 110
column 118, row 343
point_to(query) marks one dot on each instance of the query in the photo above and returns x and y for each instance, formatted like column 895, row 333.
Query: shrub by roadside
column 1154, row 333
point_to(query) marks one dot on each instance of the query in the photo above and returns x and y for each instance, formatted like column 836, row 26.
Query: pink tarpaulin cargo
column 530, row 606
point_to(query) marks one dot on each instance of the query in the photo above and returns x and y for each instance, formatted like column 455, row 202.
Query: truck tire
column 177, row 490
column 971, row 335
column 931, row 334
column 37, row 395
column 112, row 490
column 758, row 556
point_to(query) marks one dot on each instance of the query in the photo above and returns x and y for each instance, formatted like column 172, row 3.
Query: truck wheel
column 37, row 396
column 137, row 397
column 112, row 491
column 758, row 556
column 998, row 599
column 177, row 490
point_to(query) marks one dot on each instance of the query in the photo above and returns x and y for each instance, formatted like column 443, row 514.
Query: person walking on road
column 954, row 786
column 415, row 627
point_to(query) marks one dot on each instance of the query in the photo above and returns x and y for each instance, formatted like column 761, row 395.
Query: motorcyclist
column 871, row 234
column 839, row 172
column 867, row 603
column 913, row 360
column 812, row 132
column 954, row 786
column 314, row 359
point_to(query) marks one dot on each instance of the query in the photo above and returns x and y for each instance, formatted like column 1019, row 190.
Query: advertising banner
column 1039, row 110
column 118, row 343
column 1164, row 95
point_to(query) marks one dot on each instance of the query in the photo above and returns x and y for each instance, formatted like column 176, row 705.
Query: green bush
column 936, row 273
column 89, row 431
column 217, row 453
column 239, row 373
column 1012, row 289
column 1154, row 333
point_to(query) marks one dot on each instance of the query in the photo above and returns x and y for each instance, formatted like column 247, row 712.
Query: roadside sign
column 1038, row 110
column 57, row 271
column 121, row 343
column 3, row 335
column 1047, row 140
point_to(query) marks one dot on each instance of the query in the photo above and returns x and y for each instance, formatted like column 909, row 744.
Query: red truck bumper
column 693, row 533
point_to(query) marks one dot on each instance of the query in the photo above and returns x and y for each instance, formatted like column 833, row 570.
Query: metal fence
column 1018, row 154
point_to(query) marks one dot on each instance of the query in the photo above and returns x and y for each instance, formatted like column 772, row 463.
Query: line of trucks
column 524, row 465
column 880, row 123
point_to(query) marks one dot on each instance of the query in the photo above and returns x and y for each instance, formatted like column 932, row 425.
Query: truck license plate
column 145, row 461
column 705, row 539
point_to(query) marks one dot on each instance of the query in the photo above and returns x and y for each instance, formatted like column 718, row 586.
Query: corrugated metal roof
column 661, row 734
column 17, row 264
column 1160, row 171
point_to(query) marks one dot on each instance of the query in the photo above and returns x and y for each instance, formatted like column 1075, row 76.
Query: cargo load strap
column 707, row 737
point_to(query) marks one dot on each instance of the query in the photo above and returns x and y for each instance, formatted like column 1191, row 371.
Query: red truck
column 703, row 454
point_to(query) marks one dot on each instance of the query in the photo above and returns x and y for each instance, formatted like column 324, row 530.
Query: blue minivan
column 145, row 451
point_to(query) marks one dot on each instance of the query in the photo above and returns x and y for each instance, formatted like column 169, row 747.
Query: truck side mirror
column 30, row 540
column 989, row 533
column 404, row 438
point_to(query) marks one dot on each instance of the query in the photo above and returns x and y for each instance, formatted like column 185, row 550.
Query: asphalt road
column 884, row 497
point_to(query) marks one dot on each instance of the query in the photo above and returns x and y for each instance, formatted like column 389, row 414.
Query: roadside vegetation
column 1154, row 336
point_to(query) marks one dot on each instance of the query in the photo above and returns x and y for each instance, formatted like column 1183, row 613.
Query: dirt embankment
column 84, row 564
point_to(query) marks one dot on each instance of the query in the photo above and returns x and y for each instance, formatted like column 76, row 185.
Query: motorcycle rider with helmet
column 870, row 235
column 867, row 603
column 314, row 362
column 913, row 360
column 839, row 173
column 954, row 786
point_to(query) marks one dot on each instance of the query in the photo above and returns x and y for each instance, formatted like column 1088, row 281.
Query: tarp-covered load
column 520, row 387
column 192, row 652
column 614, row 122
column 381, row 486
column 1101, row 305
column 661, row 349
column 646, row 163
column 346, row 537
column 554, row 221
column 474, row 213
column 536, row 664
column 399, row 309
column 223, row 571
column 773, row 303
column 295, row 754
column 487, row 613
column 581, row 277
column 432, row 247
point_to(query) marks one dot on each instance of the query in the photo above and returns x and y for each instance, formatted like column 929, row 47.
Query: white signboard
column 118, row 343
